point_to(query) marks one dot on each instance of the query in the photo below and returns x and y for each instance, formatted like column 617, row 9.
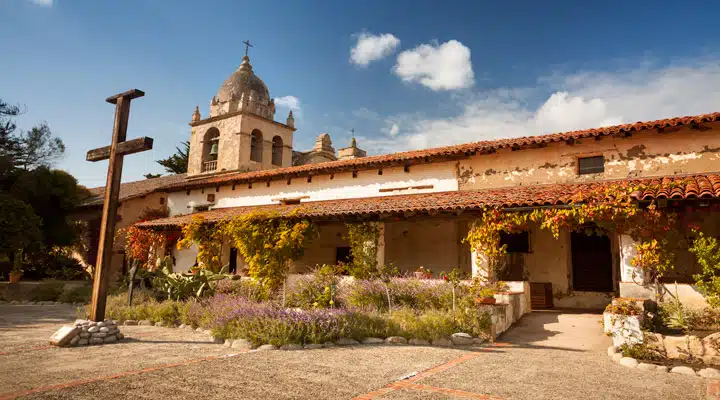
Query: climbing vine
column 142, row 244
column 364, row 238
column 268, row 242
column 609, row 207
column 209, row 240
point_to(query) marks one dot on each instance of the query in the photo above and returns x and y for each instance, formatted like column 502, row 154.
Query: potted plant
column 16, row 272
column 423, row 273
column 486, row 295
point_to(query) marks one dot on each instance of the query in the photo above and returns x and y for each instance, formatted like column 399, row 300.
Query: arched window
column 277, row 150
column 211, row 146
column 256, row 146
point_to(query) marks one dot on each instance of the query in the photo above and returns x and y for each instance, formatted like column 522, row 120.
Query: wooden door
column 591, row 262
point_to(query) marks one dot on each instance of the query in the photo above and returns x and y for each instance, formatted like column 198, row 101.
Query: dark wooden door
column 591, row 262
column 232, row 269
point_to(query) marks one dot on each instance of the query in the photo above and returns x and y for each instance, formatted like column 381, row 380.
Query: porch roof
column 705, row 186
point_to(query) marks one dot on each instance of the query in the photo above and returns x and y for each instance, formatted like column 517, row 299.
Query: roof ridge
column 443, row 151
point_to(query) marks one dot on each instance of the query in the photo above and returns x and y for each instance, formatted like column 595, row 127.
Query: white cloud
column 46, row 3
column 370, row 47
column 439, row 67
column 394, row 129
column 290, row 102
column 562, row 103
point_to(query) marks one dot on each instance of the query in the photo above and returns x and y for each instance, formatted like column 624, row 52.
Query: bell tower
column 240, row 133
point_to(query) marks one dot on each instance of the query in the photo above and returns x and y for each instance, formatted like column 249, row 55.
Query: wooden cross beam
column 114, row 153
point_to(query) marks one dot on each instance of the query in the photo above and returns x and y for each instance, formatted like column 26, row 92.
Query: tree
column 19, row 226
column 152, row 176
column 26, row 150
column 178, row 162
column 37, row 147
column 53, row 195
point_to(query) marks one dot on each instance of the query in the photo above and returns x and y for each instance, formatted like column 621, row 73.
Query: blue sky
column 424, row 73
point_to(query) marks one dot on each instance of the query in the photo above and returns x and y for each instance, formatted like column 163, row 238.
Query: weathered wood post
column 115, row 152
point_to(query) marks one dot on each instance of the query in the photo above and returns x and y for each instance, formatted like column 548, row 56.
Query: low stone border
column 456, row 339
column 630, row 362
column 39, row 303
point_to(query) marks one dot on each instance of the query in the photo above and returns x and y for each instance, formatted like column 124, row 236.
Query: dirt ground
column 548, row 355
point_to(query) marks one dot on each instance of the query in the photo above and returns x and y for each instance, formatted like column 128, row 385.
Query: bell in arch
column 214, row 149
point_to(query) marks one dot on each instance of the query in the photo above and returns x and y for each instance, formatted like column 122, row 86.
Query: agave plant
column 179, row 286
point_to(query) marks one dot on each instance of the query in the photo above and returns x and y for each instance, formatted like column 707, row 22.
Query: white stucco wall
column 184, row 258
column 438, row 177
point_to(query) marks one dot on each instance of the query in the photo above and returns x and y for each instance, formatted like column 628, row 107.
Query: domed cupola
column 243, row 91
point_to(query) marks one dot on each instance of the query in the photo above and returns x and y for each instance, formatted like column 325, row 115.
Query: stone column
column 479, row 264
column 628, row 251
column 380, row 256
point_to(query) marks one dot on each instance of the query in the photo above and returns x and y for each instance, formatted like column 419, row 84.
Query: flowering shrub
column 268, row 242
column 140, row 244
column 233, row 318
column 363, row 238
column 370, row 295
column 209, row 240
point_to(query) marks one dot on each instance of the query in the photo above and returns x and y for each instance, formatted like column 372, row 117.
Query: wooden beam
column 129, row 95
column 123, row 148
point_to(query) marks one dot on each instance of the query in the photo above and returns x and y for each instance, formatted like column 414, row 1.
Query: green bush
column 249, row 289
column 428, row 325
column 144, row 307
column 80, row 294
column 48, row 291
column 707, row 252
column 314, row 290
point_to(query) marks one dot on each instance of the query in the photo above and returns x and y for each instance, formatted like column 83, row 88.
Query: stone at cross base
column 85, row 332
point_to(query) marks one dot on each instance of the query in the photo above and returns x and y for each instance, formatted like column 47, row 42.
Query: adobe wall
column 435, row 244
column 644, row 154
column 426, row 178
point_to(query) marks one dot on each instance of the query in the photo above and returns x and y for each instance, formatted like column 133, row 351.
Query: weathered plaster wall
column 549, row 260
column 184, row 258
column 322, row 250
column 435, row 244
column 425, row 178
column 643, row 154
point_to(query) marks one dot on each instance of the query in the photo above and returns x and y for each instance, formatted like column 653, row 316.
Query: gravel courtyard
column 548, row 355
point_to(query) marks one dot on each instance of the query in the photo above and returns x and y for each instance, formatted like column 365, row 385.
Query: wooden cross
column 247, row 44
column 114, row 153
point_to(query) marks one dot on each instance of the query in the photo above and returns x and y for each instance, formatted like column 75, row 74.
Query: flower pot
column 419, row 274
column 485, row 300
column 15, row 277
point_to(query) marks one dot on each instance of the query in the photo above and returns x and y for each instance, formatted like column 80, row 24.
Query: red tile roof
column 447, row 152
column 676, row 187
column 131, row 190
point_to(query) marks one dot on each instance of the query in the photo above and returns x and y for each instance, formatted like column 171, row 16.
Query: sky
column 402, row 74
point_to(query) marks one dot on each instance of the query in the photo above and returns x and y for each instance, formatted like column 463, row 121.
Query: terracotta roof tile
column 130, row 190
column 434, row 153
column 680, row 187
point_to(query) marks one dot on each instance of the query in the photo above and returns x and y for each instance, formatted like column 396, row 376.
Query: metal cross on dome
column 247, row 46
